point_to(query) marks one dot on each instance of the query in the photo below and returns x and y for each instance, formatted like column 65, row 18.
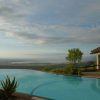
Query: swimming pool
column 57, row 87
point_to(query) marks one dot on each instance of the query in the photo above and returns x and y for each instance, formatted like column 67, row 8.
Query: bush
column 77, row 71
column 72, row 70
column 46, row 69
column 69, row 69
column 3, row 96
column 58, row 71
column 8, row 86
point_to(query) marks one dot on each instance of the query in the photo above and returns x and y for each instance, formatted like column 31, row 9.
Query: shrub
column 77, row 71
column 9, row 86
column 72, row 70
column 3, row 96
column 69, row 69
column 58, row 71
column 46, row 69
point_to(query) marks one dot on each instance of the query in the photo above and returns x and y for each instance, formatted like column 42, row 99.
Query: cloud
column 58, row 34
column 48, row 27
column 16, row 54
column 51, row 22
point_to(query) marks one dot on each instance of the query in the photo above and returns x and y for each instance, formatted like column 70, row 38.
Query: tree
column 74, row 55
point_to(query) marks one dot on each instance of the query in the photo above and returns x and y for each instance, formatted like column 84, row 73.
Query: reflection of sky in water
column 54, row 86
column 18, row 73
column 96, row 86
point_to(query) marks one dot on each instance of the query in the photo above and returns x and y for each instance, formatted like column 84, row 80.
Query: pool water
column 57, row 87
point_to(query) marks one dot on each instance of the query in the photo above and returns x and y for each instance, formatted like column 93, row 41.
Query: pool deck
column 92, row 74
column 23, row 96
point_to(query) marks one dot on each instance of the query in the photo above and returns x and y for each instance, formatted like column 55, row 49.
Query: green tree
column 74, row 55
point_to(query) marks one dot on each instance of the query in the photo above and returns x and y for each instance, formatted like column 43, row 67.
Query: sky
column 43, row 30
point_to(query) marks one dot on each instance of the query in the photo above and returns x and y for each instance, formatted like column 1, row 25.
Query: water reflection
column 73, row 80
column 96, row 85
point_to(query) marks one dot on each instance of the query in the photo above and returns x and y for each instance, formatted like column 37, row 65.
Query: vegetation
column 74, row 55
column 74, row 67
column 3, row 96
column 69, row 69
column 72, row 70
column 47, row 69
column 58, row 71
column 8, row 87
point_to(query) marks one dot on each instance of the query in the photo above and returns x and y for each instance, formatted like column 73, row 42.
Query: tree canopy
column 74, row 55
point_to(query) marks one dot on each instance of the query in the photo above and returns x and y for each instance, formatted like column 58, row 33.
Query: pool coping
column 30, row 97
column 25, row 96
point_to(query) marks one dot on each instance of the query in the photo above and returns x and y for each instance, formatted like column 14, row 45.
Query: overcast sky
column 44, row 30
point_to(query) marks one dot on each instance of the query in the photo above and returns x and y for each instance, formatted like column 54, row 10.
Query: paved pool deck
column 91, row 74
column 23, row 96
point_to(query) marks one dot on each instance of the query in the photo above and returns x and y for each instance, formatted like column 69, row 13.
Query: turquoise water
column 53, row 86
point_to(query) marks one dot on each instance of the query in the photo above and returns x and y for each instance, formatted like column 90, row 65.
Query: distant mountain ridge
column 32, row 61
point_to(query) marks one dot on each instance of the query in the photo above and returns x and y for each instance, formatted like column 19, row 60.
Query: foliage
column 9, row 86
column 77, row 71
column 74, row 55
column 58, row 71
column 72, row 70
column 47, row 69
column 69, row 69
column 3, row 96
